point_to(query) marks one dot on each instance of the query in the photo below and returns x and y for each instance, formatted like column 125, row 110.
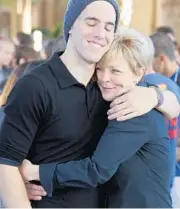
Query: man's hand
column 35, row 192
column 29, row 171
column 132, row 102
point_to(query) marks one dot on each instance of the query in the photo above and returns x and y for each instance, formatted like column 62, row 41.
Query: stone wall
column 171, row 15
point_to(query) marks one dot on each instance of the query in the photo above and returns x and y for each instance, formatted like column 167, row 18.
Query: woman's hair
column 136, row 48
column 16, row 74
column 13, row 78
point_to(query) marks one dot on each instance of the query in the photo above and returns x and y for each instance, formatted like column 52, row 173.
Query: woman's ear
column 141, row 73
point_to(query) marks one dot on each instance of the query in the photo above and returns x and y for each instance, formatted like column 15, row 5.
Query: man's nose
column 100, row 31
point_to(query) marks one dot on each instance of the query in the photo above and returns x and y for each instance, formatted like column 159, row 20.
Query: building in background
column 143, row 15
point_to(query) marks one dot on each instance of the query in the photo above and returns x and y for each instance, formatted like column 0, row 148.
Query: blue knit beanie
column 74, row 9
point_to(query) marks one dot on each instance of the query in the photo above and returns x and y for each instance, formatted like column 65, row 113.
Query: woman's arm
column 119, row 142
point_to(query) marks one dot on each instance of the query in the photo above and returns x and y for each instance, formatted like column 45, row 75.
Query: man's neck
column 79, row 68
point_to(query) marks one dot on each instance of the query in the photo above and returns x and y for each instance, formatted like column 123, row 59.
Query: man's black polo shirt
column 51, row 117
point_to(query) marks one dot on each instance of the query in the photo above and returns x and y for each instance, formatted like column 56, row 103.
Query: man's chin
column 108, row 98
column 95, row 57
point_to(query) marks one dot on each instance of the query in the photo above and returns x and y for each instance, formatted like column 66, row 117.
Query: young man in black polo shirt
column 57, row 114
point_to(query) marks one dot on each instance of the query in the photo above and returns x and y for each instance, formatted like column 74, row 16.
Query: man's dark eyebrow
column 97, row 20
column 92, row 18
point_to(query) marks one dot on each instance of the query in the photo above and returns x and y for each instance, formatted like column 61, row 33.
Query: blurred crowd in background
column 19, row 55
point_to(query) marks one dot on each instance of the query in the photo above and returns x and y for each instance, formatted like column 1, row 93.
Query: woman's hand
column 29, row 171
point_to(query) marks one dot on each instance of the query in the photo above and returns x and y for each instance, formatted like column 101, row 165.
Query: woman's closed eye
column 116, row 71
column 99, row 69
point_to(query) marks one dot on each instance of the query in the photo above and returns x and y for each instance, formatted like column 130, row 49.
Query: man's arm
column 11, row 184
column 23, row 113
column 170, row 107
column 119, row 142
column 165, row 83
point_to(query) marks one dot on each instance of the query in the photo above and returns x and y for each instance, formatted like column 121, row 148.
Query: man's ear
column 162, row 58
column 70, row 31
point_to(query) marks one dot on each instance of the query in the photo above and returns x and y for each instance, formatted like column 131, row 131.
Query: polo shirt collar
column 62, row 74
column 60, row 71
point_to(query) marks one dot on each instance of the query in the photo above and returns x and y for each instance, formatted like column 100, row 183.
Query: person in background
column 16, row 74
column 13, row 78
column 164, row 59
column 176, row 78
column 24, row 54
column 168, row 31
column 47, row 49
column 176, row 185
column 59, row 44
column 51, row 46
column 7, row 50
column 177, row 53
column 165, row 63
column 23, row 39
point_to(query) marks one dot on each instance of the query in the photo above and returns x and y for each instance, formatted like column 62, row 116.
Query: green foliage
column 8, row 2
column 56, row 32
column 4, row 2
column 35, row 1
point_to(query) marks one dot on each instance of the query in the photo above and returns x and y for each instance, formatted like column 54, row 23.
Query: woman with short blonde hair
column 135, row 47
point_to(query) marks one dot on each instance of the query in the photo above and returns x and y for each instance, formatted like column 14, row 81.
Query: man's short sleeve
column 25, row 109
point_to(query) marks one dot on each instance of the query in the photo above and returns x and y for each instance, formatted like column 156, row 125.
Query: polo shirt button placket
column 89, row 109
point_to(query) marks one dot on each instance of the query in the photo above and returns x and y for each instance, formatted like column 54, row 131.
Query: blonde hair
column 13, row 78
column 136, row 48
